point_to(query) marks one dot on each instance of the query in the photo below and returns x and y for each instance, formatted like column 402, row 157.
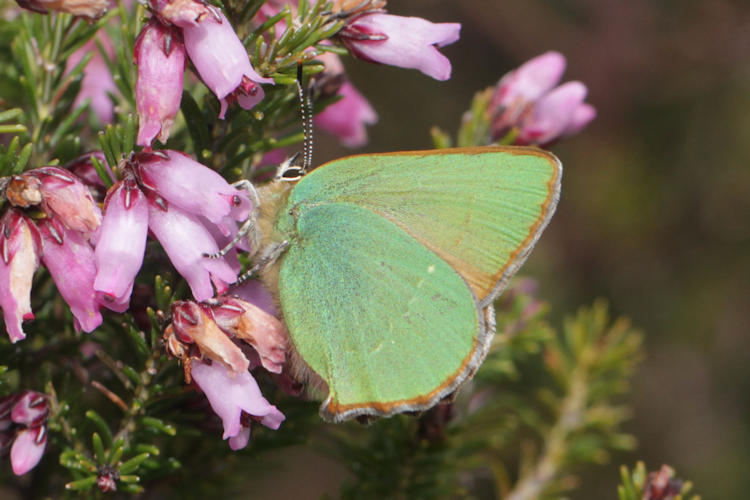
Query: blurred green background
column 655, row 211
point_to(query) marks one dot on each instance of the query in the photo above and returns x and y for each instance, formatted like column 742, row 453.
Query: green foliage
column 660, row 485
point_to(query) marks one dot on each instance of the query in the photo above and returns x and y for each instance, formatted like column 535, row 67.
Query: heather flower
column 97, row 82
column 23, row 421
column 66, row 198
column 20, row 246
column 83, row 168
column 182, row 12
column 69, row 257
column 527, row 100
column 92, row 9
column 193, row 187
column 406, row 42
column 186, row 240
column 236, row 399
column 160, row 56
column 347, row 117
column 222, row 62
column 121, row 243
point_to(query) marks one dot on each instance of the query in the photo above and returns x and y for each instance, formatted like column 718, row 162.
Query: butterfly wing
column 393, row 259
column 480, row 209
column 386, row 323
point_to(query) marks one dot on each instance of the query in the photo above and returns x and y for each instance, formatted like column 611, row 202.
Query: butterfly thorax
column 273, row 201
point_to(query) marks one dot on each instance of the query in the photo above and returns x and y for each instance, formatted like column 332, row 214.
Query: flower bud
column 65, row 197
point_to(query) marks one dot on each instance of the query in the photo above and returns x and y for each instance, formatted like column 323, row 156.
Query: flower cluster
column 188, row 207
column 527, row 102
column 51, row 218
column 23, row 428
column 201, row 32
column 212, row 340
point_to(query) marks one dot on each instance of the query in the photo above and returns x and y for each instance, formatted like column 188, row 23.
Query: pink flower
column 559, row 113
column 97, row 82
column 222, row 62
column 347, row 117
column 121, row 243
column 23, row 420
column 406, row 42
column 65, row 197
column 70, row 260
column 20, row 246
column 194, row 188
column 526, row 99
column 160, row 56
column 185, row 240
column 233, row 395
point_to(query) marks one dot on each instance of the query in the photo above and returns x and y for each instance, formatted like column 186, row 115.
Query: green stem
column 535, row 482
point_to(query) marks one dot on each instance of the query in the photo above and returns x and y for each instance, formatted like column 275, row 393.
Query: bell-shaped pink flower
column 28, row 448
column 194, row 188
column 406, row 42
column 530, row 81
column 347, row 117
column 559, row 113
column 160, row 56
column 527, row 101
column 185, row 240
column 20, row 246
column 253, row 325
column 23, row 420
column 121, row 243
column 30, row 409
column 70, row 260
column 97, row 82
column 67, row 198
column 222, row 62
column 232, row 394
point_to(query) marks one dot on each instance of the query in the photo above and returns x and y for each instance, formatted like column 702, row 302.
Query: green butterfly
column 386, row 266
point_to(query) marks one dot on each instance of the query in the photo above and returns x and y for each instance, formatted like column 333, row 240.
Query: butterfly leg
column 248, row 228
column 269, row 255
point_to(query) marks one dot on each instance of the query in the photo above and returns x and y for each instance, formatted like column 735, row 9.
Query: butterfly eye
column 292, row 173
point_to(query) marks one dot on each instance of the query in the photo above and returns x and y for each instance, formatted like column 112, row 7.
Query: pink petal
column 27, row 449
column 347, row 117
column 582, row 116
column 232, row 393
column 70, row 260
column 185, row 240
column 30, row 409
column 531, row 80
column 121, row 243
column 221, row 59
column 160, row 56
column 68, row 199
column 552, row 114
column 411, row 42
column 22, row 249
column 194, row 188
column 97, row 82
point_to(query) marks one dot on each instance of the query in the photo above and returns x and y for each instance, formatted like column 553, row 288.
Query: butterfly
column 386, row 266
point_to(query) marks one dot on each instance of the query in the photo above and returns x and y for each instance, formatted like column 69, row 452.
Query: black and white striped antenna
column 306, row 110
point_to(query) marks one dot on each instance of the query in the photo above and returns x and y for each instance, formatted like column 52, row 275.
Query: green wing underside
column 392, row 260
column 384, row 321
column 481, row 210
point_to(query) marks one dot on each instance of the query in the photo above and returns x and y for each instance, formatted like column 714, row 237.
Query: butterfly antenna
column 306, row 110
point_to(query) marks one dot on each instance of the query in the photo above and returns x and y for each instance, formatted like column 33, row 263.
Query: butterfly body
column 393, row 262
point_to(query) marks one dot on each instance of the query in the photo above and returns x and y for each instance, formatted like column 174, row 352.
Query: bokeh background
column 655, row 211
